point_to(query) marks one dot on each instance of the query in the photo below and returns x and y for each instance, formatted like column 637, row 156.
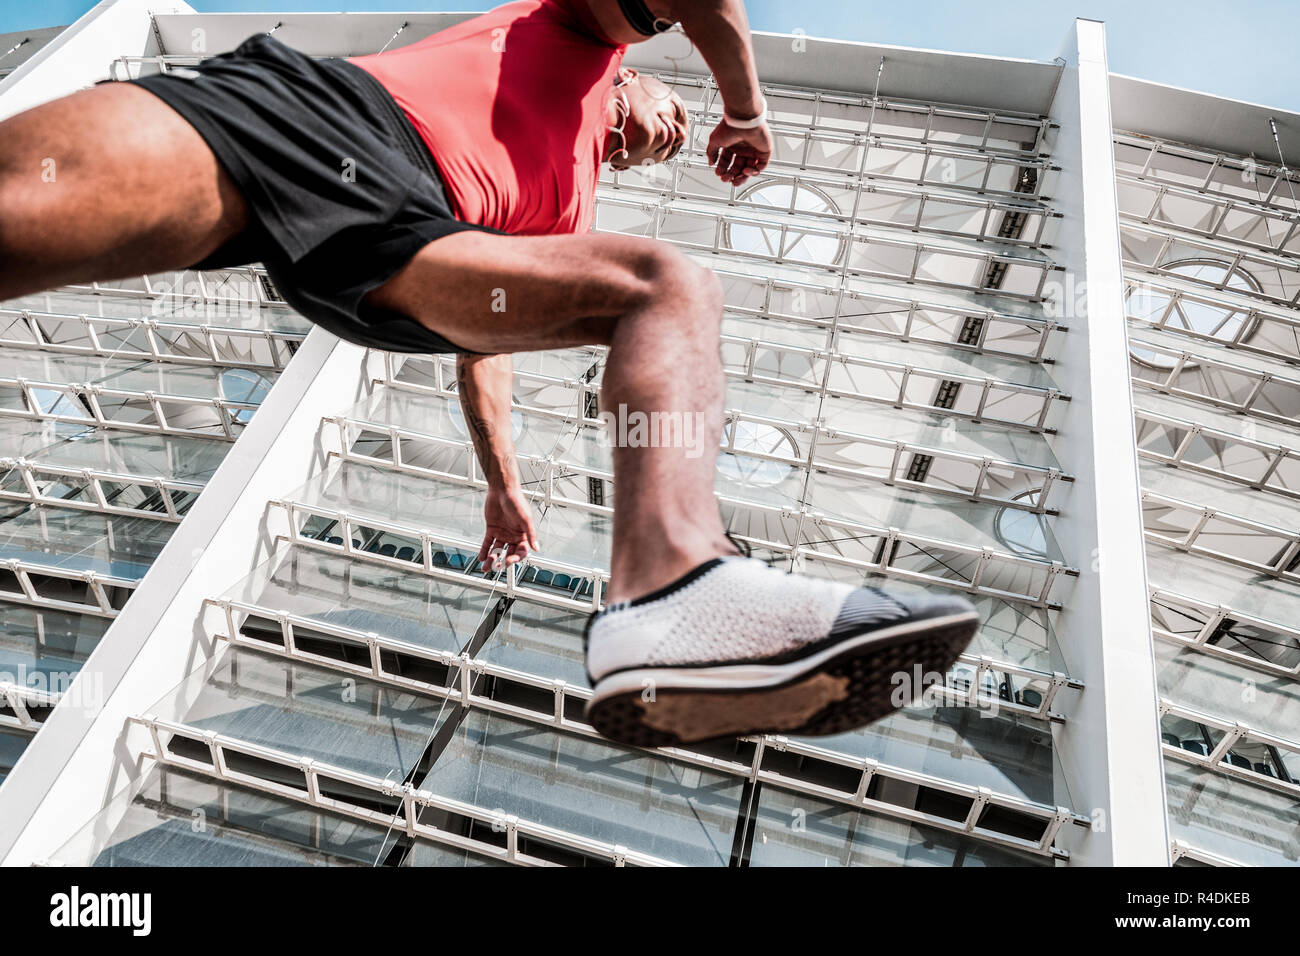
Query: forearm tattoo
column 482, row 429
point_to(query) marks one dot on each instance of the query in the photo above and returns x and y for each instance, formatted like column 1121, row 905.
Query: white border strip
column 1110, row 749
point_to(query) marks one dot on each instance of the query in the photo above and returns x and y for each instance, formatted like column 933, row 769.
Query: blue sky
column 1244, row 49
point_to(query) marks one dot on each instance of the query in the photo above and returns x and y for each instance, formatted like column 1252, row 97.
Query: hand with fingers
column 510, row 535
column 738, row 154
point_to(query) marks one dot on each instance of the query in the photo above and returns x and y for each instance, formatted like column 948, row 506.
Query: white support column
column 1109, row 750
column 79, row 760
column 81, row 54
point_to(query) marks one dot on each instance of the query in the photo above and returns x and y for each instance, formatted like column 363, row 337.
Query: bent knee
column 660, row 274
column 689, row 294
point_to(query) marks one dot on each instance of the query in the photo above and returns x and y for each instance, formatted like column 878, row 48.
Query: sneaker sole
column 839, row 688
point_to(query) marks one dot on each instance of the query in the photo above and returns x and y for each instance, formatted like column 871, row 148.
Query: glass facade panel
column 1218, row 583
column 591, row 788
column 1231, row 818
column 390, row 498
column 539, row 640
column 183, row 819
column 796, row 830
column 12, row 745
column 40, row 641
column 287, row 706
column 359, row 597
column 109, row 450
column 1229, row 691
column 84, row 541
column 971, row 745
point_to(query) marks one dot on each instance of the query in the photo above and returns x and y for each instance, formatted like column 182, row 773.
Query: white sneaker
column 735, row 647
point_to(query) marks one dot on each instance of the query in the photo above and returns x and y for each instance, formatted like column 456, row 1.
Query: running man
column 394, row 199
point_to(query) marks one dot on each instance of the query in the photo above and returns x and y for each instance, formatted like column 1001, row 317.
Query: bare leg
column 107, row 183
column 666, row 519
column 744, row 648
column 659, row 313
column 110, row 182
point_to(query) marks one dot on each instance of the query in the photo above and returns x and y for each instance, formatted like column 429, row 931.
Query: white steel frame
column 116, row 337
column 18, row 699
column 1218, row 165
column 1283, row 269
column 1034, row 484
column 917, row 316
column 1199, row 517
column 1213, row 616
column 411, row 800
column 1271, row 456
column 1234, row 733
column 225, row 423
column 31, row 592
column 36, row 475
column 1255, row 383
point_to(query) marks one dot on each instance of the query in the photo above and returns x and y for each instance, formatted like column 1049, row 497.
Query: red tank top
column 512, row 104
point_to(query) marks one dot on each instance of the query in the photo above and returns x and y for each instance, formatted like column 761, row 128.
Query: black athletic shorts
column 343, row 190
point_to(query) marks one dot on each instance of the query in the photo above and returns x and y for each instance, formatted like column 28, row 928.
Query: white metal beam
column 1110, row 749
column 81, row 54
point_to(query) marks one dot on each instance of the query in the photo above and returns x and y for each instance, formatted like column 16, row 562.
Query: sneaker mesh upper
column 740, row 610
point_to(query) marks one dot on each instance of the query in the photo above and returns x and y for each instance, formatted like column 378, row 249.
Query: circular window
column 1022, row 532
column 782, row 195
column 1219, row 322
column 244, row 385
column 751, row 438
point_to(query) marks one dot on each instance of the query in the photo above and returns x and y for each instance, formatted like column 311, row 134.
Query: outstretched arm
column 720, row 29
column 484, row 386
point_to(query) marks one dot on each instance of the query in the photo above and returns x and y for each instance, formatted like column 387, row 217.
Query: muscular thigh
column 493, row 293
column 105, row 183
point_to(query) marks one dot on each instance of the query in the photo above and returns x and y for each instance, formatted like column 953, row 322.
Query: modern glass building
column 1208, row 229
column 117, row 403
column 938, row 297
